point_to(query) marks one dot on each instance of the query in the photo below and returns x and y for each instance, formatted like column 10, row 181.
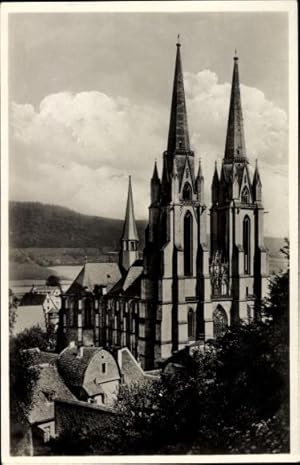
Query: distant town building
column 39, row 307
column 185, row 289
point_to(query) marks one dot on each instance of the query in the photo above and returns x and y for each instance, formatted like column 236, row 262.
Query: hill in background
column 48, row 235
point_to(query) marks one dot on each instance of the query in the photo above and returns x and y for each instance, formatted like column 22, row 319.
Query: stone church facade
column 185, row 288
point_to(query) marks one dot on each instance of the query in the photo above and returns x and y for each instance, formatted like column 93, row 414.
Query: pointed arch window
column 245, row 195
column 191, row 325
column 188, row 244
column 220, row 321
column 187, row 192
column 88, row 313
column 246, row 243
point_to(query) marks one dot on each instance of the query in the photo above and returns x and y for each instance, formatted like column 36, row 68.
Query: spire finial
column 178, row 41
column 235, row 55
column 129, row 230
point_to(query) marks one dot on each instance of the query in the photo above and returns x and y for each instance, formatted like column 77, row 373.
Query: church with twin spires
column 186, row 286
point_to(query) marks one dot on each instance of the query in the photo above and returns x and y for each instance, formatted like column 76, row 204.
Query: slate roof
column 42, row 357
column 49, row 386
column 235, row 147
column 92, row 274
column 130, row 283
column 72, row 367
column 178, row 138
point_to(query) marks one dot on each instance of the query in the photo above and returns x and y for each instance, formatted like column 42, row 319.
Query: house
column 91, row 373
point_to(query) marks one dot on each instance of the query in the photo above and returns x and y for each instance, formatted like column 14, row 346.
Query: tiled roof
column 92, row 274
column 72, row 367
column 28, row 316
column 49, row 386
column 41, row 357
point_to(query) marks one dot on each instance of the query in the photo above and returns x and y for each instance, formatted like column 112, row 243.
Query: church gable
column 245, row 189
column 187, row 182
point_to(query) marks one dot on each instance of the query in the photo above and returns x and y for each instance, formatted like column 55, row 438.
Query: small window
column 103, row 368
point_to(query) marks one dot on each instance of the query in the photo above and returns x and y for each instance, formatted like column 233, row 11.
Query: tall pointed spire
column 235, row 148
column 130, row 230
column 200, row 173
column 178, row 140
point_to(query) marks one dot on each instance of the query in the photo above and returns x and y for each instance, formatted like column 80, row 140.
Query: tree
column 23, row 372
column 230, row 396
column 13, row 305
column 53, row 281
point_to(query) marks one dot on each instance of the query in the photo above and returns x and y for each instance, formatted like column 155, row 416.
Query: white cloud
column 78, row 149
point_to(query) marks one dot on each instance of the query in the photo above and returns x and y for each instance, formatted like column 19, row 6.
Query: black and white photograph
column 149, row 189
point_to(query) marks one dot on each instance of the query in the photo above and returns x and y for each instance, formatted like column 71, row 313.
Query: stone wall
column 72, row 414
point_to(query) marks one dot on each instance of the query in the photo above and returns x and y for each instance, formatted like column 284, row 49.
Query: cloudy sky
column 90, row 100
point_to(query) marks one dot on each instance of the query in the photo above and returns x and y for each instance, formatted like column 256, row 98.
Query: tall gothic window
column 187, row 192
column 246, row 244
column 188, row 244
column 88, row 313
column 245, row 195
column 220, row 321
column 191, row 325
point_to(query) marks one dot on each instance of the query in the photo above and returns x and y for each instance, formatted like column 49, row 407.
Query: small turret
column 200, row 184
column 155, row 186
column 215, row 185
column 257, row 185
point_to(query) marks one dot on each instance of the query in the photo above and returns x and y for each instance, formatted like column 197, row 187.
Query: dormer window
column 187, row 192
column 245, row 195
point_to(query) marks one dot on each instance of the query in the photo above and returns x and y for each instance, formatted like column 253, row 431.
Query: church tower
column 176, row 259
column 130, row 239
column 238, row 256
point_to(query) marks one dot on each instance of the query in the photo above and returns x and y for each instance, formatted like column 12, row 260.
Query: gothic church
column 186, row 288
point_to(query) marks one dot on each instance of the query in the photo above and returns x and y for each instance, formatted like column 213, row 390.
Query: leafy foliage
column 23, row 375
column 13, row 305
column 230, row 396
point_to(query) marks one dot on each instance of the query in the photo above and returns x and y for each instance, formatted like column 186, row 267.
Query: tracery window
column 187, row 192
column 188, row 244
column 220, row 321
column 245, row 195
column 246, row 244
